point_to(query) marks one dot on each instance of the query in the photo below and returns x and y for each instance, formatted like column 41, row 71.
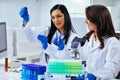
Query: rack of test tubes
column 33, row 71
column 65, row 67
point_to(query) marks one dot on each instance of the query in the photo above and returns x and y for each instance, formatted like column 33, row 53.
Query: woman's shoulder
column 73, row 34
column 112, row 40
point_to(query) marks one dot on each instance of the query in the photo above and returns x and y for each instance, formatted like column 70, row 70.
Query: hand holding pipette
column 58, row 41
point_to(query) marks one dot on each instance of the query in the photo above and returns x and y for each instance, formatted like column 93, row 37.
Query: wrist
column 60, row 47
column 24, row 23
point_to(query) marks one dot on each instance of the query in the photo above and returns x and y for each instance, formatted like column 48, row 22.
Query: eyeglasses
column 57, row 16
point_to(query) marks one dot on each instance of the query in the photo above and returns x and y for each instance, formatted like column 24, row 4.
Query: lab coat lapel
column 96, row 46
column 93, row 45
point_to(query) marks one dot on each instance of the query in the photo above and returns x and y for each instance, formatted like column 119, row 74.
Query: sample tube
column 6, row 64
column 58, row 40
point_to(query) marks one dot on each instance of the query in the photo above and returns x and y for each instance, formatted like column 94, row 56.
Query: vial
column 6, row 64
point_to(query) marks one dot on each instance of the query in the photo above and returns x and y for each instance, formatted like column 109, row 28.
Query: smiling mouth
column 58, row 24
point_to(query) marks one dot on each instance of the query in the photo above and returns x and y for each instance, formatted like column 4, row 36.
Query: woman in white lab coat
column 102, row 49
column 53, row 38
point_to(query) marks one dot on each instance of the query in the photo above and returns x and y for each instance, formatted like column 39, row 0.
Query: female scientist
column 102, row 49
column 56, row 40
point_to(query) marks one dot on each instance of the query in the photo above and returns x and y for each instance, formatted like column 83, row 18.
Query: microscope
column 75, row 45
column 75, row 51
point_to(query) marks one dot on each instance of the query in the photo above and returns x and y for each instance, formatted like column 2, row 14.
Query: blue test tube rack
column 32, row 71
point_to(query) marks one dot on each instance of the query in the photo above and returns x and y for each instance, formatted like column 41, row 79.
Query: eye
column 52, row 17
column 59, row 16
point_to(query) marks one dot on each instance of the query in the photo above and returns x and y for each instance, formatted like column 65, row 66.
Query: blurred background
column 39, row 11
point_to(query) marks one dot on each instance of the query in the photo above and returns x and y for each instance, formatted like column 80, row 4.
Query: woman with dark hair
column 56, row 40
column 102, row 48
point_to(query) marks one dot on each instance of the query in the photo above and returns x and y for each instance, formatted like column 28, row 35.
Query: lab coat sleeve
column 112, row 65
column 32, row 34
column 51, row 50
column 43, row 58
column 54, row 53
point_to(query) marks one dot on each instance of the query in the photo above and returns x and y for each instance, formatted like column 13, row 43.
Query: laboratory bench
column 17, row 76
column 56, row 73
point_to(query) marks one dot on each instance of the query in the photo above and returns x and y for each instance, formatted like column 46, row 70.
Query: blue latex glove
column 24, row 14
column 79, row 77
column 44, row 41
column 59, row 42
column 89, row 76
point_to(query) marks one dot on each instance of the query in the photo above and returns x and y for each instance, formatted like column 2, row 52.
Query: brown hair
column 99, row 15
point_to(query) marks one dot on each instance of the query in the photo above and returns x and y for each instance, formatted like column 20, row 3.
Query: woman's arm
column 32, row 33
column 112, row 64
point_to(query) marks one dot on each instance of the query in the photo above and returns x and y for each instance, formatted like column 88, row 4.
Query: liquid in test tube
column 58, row 41
column 6, row 64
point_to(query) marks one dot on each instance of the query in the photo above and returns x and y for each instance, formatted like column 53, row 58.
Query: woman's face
column 91, row 26
column 58, row 19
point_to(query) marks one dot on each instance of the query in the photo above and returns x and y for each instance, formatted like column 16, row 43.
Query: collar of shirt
column 93, row 43
column 59, row 35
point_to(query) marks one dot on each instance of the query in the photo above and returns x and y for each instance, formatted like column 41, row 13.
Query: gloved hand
column 89, row 76
column 24, row 14
column 59, row 42
column 43, row 40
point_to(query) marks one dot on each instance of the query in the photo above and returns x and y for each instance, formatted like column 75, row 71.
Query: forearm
column 30, row 34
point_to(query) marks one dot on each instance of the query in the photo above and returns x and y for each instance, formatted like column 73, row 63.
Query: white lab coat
column 103, row 63
column 51, row 50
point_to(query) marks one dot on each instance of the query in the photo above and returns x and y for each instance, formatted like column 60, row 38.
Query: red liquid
column 58, row 42
column 6, row 64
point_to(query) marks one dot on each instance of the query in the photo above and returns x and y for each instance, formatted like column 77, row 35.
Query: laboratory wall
column 9, row 12
column 114, row 8
column 39, row 11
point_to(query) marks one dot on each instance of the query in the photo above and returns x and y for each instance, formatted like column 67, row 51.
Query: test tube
column 6, row 64
column 58, row 40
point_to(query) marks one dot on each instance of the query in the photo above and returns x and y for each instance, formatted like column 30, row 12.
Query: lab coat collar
column 93, row 44
column 58, row 34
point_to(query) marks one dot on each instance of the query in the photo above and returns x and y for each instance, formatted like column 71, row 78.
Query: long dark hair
column 67, row 26
column 99, row 15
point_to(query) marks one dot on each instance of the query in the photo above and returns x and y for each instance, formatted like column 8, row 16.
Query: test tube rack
column 32, row 71
column 65, row 67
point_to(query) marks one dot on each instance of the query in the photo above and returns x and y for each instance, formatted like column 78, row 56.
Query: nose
column 86, row 21
column 56, row 19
